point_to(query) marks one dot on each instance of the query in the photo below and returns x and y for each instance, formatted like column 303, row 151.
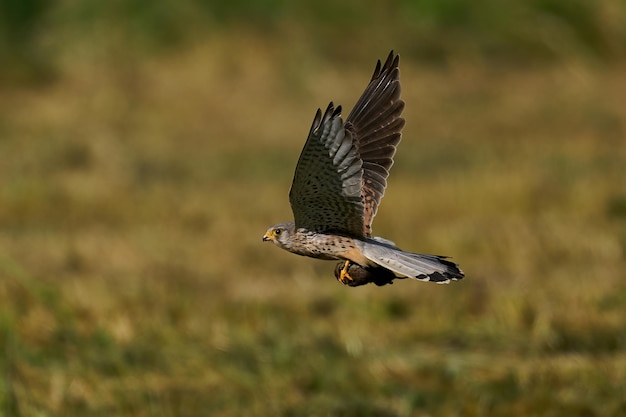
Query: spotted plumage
column 339, row 182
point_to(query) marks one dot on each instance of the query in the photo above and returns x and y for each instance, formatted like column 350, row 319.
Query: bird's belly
column 330, row 247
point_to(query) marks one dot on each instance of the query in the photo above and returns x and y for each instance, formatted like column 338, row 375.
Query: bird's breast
column 327, row 246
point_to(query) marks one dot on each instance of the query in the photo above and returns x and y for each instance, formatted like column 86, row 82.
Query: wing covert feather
column 325, row 193
column 342, row 171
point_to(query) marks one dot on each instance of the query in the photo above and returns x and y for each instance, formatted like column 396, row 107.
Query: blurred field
column 135, row 188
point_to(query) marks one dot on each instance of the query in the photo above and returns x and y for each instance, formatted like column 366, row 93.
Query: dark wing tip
column 392, row 61
column 317, row 120
column 376, row 70
column 329, row 109
column 330, row 113
column 337, row 112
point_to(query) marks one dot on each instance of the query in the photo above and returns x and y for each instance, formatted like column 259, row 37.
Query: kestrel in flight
column 338, row 184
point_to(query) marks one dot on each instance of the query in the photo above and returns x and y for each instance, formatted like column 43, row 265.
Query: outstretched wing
column 325, row 193
column 342, row 171
column 375, row 125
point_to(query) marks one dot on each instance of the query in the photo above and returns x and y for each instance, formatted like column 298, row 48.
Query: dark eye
column 277, row 232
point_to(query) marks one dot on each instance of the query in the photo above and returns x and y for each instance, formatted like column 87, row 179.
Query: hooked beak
column 266, row 237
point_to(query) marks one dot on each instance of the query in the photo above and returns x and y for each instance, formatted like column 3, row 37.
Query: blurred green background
column 145, row 146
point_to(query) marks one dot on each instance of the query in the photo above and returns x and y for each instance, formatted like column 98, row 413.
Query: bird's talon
column 344, row 277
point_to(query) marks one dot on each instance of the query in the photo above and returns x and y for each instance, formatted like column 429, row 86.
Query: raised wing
column 342, row 172
column 325, row 193
column 375, row 125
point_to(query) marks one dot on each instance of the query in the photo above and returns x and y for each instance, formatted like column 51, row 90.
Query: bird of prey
column 339, row 181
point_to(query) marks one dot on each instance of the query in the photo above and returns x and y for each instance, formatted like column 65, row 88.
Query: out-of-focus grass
column 36, row 34
column 133, row 280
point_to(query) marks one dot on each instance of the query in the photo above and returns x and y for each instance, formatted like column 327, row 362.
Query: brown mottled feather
column 342, row 171
column 325, row 193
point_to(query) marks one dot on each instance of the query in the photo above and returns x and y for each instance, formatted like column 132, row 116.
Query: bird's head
column 280, row 234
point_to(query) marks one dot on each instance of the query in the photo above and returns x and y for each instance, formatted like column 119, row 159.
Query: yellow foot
column 344, row 277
